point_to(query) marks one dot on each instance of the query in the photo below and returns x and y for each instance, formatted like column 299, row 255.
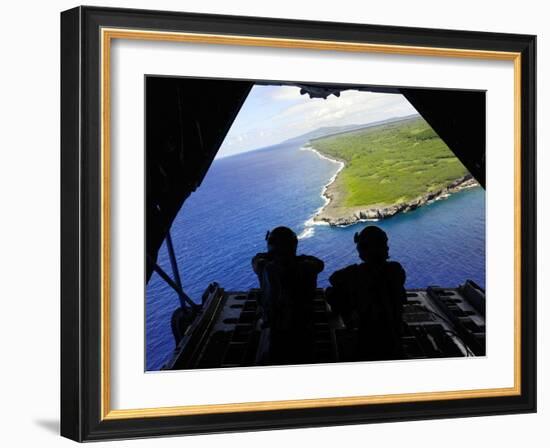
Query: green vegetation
column 391, row 163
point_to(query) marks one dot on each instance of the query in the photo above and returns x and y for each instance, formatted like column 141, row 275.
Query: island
column 386, row 169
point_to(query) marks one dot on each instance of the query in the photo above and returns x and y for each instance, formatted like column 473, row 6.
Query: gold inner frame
column 107, row 35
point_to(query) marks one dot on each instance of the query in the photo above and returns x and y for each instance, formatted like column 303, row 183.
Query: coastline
column 312, row 221
column 336, row 215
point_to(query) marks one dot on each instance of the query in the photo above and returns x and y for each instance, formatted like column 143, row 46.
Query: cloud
column 339, row 109
column 285, row 93
column 272, row 114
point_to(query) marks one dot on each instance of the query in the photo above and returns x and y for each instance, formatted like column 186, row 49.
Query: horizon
column 356, row 127
column 272, row 115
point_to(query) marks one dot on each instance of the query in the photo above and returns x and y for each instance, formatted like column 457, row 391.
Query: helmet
column 281, row 241
column 372, row 244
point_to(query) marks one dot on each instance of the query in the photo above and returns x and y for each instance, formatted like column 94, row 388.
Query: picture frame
column 86, row 37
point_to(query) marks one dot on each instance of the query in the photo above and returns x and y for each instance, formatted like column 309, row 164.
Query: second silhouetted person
column 369, row 297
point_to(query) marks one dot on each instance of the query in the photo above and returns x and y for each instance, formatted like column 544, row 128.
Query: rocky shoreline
column 333, row 214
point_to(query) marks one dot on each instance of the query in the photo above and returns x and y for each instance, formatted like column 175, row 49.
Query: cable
column 467, row 349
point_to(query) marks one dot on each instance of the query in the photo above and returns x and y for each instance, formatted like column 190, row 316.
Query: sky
column 273, row 114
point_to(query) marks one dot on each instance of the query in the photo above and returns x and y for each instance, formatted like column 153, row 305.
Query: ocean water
column 223, row 225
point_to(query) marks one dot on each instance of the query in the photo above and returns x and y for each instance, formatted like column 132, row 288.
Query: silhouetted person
column 370, row 297
column 288, row 283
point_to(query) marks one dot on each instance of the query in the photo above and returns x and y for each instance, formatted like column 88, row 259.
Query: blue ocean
column 223, row 225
